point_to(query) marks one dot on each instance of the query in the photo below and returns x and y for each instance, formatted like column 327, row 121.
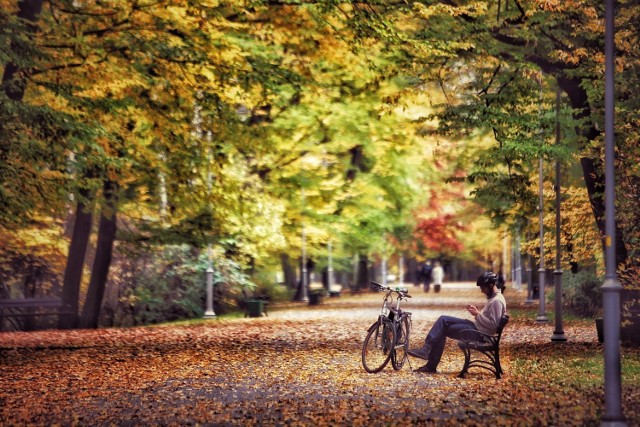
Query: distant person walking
column 437, row 275
column 426, row 275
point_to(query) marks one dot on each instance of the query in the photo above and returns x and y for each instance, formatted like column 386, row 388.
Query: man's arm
column 488, row 320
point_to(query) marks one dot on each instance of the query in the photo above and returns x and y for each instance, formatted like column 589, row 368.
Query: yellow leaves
column 471, row 9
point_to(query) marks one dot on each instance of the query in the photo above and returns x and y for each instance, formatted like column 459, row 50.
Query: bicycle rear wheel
column 399, row 355
column 378, row 346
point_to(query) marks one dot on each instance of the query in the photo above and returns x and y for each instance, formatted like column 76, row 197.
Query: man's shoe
column 422, row 353
column 425, row 368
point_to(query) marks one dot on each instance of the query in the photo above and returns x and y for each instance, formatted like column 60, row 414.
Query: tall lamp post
column 611, row 289
column 542, row 314
column 209, row 313
column 558, row 333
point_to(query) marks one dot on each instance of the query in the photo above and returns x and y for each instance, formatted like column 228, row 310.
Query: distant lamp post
column 209, row 313
column 558, row 333
column 304, row 295
column 384, row 271
column 611, row 289
column 329, row 267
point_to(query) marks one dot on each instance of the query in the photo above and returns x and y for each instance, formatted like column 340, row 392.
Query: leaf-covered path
column 301, row 366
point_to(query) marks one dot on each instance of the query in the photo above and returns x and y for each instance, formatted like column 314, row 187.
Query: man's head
column 487, row 282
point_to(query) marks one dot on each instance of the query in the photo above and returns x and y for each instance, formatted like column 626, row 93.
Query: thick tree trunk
column 100, row 272
column 75, row 264
column 288, row 271
column 29, row 10
column 592, row 169
column 362, row 275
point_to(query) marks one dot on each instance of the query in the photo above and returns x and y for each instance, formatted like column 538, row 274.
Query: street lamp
column 558, row 333
column 542, row 315
column 329, row 267
column 611, row 289
column 384, row 270
column 304, row 295
column 209, row 313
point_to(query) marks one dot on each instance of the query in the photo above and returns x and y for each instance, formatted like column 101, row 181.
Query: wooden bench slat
column 29, row 302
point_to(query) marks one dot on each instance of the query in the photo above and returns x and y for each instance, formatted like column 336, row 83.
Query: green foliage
column 266, row 285
column 582, row 293
column 169, row 283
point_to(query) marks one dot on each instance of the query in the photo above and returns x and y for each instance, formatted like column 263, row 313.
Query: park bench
column 482, row 353
column 10, row 307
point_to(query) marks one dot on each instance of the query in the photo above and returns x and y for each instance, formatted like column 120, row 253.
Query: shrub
column 170, row 284
column 583, row 294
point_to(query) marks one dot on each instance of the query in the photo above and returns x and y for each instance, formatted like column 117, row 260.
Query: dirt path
column 299, row 366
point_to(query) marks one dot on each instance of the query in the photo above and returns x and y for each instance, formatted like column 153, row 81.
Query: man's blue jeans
column 446, row 327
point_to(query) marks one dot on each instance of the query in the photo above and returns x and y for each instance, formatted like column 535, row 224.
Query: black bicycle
column 388, row 338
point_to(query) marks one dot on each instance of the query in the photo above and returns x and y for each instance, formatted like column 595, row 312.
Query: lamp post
column 304, row 295
column 611, row 289
column 209, row 313
column 329, row 267
column 542, row 314
column 558, row 333
column 384, row 271
column 516, row 268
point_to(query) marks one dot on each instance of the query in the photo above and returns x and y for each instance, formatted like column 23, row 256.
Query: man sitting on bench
column 486, row 321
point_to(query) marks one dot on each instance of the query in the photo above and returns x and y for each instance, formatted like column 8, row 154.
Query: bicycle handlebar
column 400, row 291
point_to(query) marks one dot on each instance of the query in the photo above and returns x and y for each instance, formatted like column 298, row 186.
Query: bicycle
column 388, row 337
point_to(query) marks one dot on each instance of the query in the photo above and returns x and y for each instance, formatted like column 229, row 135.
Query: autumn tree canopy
column 236, row 125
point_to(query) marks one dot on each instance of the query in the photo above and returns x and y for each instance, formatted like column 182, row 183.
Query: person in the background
column 437, row 275
column 426, row 275
column 501, row 282
column 485, row 321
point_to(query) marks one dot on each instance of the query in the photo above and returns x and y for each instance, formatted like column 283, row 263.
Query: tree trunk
column 104, row 249
column 592, row 170
column 75, row 264
column 29, row 10
column 288, row 271
column 362, row 275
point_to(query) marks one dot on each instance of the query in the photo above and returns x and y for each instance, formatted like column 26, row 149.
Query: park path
column 298, row 366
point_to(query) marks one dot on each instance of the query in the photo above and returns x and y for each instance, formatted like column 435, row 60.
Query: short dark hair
column 487, row 278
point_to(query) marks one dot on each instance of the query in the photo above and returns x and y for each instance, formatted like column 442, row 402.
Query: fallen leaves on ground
column 300, row 366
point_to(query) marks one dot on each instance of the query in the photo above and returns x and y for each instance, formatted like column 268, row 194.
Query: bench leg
column 497, row 365
column 467, row 360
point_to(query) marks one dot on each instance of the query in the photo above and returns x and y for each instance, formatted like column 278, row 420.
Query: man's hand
column 473, row 310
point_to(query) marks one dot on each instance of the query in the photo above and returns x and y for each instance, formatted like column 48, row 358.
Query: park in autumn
column 301, row 365
column 195, row 197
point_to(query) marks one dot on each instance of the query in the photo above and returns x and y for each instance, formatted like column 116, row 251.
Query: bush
column 267, row 285
column 170, row 284
column 583, row 294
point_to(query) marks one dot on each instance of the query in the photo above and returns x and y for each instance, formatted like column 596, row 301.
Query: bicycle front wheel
column 378, row 346
column 399, row 354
